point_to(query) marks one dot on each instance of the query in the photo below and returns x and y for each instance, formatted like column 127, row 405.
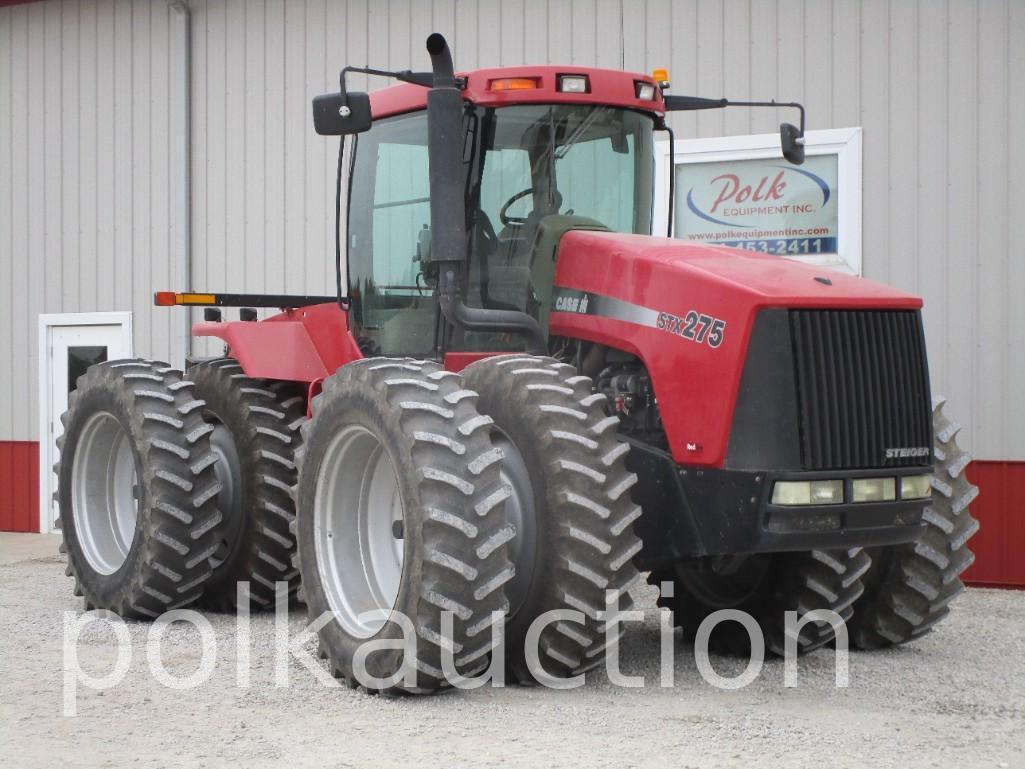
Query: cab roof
column 612, row 87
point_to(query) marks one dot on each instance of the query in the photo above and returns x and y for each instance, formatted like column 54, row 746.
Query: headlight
column 915, row 486
column 573, row 83
column 807, row 493
column 874, row 490
column 645, row 91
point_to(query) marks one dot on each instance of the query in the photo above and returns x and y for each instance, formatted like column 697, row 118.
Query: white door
column 72, row 349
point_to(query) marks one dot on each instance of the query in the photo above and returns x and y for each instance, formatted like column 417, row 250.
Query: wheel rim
column 228, row 470
column 105, row 490
column 358, row 530
column 522, row 514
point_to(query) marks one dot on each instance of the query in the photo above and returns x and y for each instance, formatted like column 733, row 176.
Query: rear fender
column 305, row 344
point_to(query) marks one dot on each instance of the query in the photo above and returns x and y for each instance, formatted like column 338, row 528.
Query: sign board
column 739, row 191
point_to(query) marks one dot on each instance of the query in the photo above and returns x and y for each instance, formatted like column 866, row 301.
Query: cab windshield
column 533, row 172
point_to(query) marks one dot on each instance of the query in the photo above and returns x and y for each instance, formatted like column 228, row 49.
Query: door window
column 80, row 358
column 394, row 311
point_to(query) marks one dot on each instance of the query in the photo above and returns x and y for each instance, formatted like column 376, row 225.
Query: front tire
column 575, row 538
column 137, row 489
column 910, row 587
column 766, row 587
column 401, row 509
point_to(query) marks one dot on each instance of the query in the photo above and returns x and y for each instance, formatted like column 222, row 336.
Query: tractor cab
column 530, row 172
column 461, row 187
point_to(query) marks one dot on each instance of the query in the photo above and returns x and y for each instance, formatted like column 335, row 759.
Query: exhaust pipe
column 448, row 207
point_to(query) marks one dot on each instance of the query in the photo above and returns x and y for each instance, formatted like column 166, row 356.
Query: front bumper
column 692, row 512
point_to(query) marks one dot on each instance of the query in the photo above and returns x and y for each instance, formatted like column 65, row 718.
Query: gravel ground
column 955, row 698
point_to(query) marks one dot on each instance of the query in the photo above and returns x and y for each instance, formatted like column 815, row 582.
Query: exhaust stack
column 448, row 207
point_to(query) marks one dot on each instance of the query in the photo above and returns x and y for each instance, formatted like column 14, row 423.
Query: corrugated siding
column 939, row 89
column 85, row 178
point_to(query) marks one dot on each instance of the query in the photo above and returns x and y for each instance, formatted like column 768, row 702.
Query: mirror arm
column 796, row 105
column 423, row 79
column 687, row 103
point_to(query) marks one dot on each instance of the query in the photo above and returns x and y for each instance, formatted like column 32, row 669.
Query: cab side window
column 401, row 209
column 393, row 310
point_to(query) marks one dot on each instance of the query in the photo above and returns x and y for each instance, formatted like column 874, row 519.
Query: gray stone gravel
column 955, row 698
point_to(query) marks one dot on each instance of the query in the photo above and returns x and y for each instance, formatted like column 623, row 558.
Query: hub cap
column 358, row 530
column 228, row 470
column 104, row 493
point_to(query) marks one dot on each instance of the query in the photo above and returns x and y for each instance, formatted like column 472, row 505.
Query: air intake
column 863, row 388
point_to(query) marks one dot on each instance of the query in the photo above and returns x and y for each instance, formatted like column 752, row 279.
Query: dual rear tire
column 255, row 436
column 175, row 487
column 137, row 489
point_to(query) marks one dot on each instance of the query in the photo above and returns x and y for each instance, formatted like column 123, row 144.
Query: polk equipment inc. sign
column 763, row 205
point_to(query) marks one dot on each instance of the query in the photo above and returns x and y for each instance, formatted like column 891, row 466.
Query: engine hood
column 642, row 267
column 687, row 311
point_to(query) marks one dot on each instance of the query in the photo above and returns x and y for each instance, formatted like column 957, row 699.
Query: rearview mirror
column 792, row 143
column 336, row 114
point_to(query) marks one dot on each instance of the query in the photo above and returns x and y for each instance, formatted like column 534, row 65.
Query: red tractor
column 519, row 400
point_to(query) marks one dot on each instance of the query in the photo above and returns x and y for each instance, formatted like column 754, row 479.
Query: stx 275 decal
column 694, row 326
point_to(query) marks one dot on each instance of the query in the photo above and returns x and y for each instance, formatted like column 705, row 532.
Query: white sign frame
column 845, row 143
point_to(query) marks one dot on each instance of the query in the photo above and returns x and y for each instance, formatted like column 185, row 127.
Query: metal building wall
column 86, row 182
column 87, row 158
column 939, row 89
column 86, row 215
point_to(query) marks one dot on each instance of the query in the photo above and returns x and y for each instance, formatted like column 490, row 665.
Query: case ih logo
column 734, row 195
column 570, row 303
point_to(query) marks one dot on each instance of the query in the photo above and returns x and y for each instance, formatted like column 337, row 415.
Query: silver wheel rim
column 104, row 493
column 358, row 537
column 522, row 515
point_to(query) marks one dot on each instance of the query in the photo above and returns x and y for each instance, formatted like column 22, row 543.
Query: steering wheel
column 514, row 221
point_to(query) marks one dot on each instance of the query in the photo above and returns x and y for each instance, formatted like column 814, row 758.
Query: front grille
column 863, row 388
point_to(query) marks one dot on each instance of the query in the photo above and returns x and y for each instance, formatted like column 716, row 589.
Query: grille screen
column 863, row 388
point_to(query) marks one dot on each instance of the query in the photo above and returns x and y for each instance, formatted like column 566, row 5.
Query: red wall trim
column 19, row 486
column 999, row 546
